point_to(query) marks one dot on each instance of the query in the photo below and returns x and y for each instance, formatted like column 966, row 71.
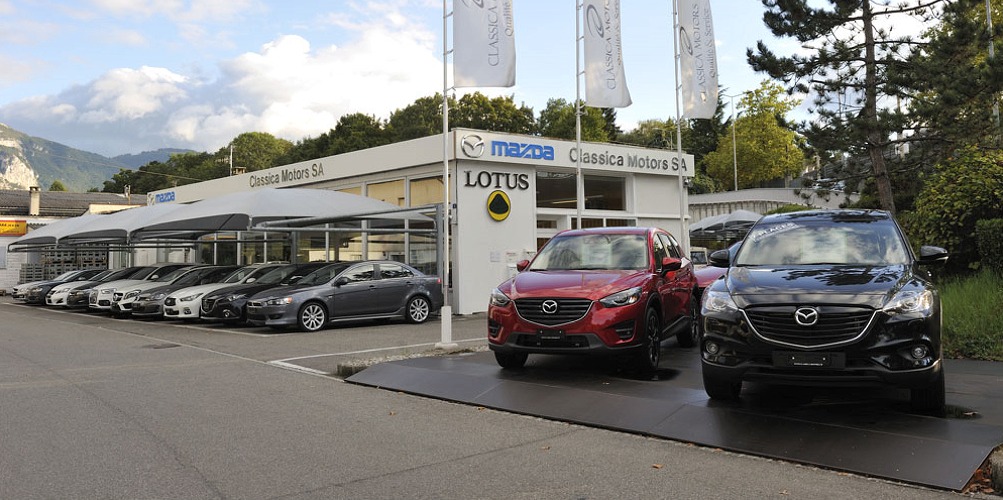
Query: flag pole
column 579, row 188
column 446, row 313
column 684, row 233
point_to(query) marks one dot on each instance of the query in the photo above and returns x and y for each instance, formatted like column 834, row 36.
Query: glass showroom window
column 387, row 245
column 557, row 190
column 422, row 246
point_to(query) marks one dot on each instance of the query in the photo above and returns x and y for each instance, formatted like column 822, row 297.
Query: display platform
column 869, row 432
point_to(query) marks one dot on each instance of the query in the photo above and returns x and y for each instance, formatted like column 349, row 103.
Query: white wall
column 484, row 248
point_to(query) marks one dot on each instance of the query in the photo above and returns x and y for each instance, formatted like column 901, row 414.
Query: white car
column 186, row 303
column 126, row 297
column 57, row 296
column 20, row 291
column 102, row 296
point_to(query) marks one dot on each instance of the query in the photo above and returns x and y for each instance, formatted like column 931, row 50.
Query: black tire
column 930, row 400
column 691, row 336
column 418, row 309
column 721, row 388
column 311, row 317
column 650, row 354
column 511, row 360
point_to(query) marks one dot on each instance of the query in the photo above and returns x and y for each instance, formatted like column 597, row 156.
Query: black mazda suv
column 825, row 298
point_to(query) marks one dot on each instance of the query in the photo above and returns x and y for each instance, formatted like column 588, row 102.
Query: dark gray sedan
column 348, row 291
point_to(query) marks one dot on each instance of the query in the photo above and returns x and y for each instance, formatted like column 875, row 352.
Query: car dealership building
column 509, row 194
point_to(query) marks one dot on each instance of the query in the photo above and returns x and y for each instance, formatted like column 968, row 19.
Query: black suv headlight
column 622, row 298
column 910, row 302
column 719, row 302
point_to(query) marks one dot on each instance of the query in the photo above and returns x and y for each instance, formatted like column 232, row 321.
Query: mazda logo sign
column 806, row 316
column 549, row 307
column 472, row 146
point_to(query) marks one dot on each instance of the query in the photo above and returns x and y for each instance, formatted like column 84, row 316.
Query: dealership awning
column 51, row 234
column 739, row 220
column 116, row 227
column 252, row 210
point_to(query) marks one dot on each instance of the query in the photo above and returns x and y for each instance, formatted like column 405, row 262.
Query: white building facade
column 509, row 194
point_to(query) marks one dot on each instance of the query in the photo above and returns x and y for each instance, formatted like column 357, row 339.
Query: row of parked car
column 308, row 296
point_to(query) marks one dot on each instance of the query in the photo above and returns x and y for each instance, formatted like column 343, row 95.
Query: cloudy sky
column 126, row 76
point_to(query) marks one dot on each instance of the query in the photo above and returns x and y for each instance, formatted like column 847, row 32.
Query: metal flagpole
column 579, row 187
column 684, row 232
column 446, row 313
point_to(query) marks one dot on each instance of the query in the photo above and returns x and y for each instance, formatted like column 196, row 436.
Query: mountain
column 27, row 161
column 161, row 155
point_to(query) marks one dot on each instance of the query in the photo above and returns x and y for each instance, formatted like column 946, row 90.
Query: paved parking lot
column 96, row 407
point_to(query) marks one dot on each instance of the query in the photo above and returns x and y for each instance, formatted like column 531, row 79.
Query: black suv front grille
column 551, row 312
column 207, row 304
column 836, row 325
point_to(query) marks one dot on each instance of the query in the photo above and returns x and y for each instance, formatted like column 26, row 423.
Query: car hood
column 203, row 289
column 707, row 274
column 119, row 284
column 248, row 289
column 859, row 285
column 588, row 284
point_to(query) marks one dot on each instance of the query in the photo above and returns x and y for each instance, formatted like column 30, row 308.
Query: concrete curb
column 996, row 469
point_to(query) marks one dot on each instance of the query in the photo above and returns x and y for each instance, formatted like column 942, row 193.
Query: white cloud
column 287, row 88
column 127, row 94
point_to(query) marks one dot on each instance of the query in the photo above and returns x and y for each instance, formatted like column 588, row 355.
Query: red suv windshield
column 593, row 251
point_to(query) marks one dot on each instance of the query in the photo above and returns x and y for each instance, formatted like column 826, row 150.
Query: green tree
column 252, row 151
column 57, row 186
column 955, row 83
column 766, row 150
column 847, row 72
column 421, row 118
column 963, row 190
column 557, row 121
column 498, row 114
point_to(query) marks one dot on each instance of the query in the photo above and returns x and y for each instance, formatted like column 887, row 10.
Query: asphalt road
column 93, row 407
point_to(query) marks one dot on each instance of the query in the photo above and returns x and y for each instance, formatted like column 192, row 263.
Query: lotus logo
column 549, row 307
column 472, row 146
column 806, row 316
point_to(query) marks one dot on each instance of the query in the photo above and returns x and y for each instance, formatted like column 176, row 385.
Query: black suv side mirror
column 720, row 258
column 341, row 281
column 929, row 255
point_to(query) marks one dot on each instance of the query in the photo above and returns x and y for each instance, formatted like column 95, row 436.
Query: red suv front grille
column 552, row 312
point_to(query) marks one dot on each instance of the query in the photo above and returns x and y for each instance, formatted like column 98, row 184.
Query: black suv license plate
column 794, row 359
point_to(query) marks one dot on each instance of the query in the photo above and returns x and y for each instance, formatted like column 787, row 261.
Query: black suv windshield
column 593, row 251
column 866, row 242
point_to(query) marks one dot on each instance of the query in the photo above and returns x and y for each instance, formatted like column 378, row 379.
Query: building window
column 427, row 191
column 391, row 192
column 557, row 190
column 605, row 193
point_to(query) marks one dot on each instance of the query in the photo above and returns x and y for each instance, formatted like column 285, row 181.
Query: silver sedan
column 348, row 291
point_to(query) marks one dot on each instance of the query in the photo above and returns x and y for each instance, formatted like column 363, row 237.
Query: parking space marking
column 367, row 351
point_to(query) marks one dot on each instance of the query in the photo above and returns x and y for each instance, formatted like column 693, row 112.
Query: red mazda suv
column 601, row 291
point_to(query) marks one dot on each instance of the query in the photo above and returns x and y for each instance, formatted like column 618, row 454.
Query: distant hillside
column 27, row 161
column 161, row 155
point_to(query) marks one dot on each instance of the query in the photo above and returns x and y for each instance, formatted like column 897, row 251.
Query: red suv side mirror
column 670, row 264
column 521, row 265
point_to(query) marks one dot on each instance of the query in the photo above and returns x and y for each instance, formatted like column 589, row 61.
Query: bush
column 963, row 190
column 989, row 235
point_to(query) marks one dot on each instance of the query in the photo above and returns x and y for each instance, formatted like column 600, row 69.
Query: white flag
column 605, row 83
column 483, row 43
column 697, row 59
